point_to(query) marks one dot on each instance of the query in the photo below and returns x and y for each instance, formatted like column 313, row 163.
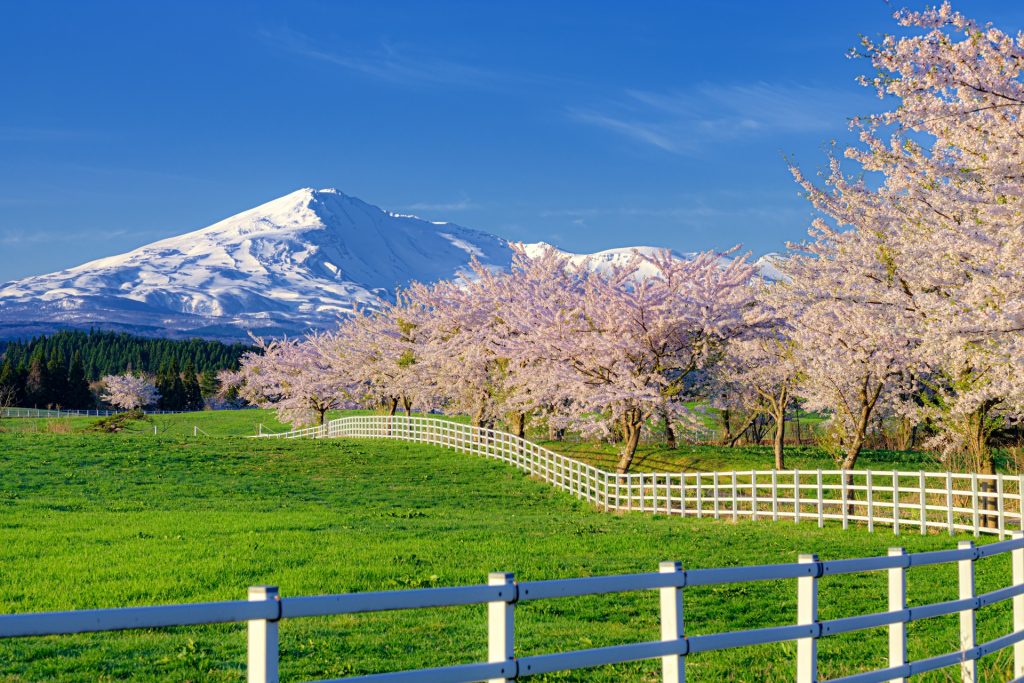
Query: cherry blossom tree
column 760, row 370
column 472, row 329
column 129, row 392
column 850, row 341
column 618, row 346
column 378, row 355
column 943, row 223
column 294, row 378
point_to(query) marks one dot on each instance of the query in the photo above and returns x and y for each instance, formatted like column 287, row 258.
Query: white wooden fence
column 94, row 412
column 918, row 501
column 266, row 608
column 672, row 494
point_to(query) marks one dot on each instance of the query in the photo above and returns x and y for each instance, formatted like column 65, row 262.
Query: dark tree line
column 57, row 370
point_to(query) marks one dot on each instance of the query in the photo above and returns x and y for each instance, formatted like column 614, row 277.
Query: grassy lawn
column 95, row 520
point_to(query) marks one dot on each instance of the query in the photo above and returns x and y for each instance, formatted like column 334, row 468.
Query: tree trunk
column 906, row 435
column 517, row 424
column 981, row 454
column 988, row 503
column 853, row 450
column 778, row 404
column 670, row 433
column 320, row 413
column 407, row 405
column 632, row 422
column 726, row 426
column 391, row 404
column 746, row 425
column 780, row 441
column 554, row 433
column 478, row 418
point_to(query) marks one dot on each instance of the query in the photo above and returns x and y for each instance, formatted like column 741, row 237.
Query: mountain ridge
column 289, row 265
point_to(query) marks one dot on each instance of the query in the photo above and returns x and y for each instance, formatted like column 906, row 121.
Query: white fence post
column 896, row 503
column 1017, row 561
column 501, row 625
column 871, row 500
column 897, row 603
column 796, row 496
column 672, row 666
column 753, row 495
column 1001, row 506
column 807, row 613
column 949, row 503
column 775, row 496
column 968, row 631
column 263, row 642
column 821, row 503
column 922, row 487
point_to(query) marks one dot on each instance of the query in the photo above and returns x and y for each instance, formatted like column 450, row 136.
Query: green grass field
column 96, row 520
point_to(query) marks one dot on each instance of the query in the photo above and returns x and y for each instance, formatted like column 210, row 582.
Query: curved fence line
column 502, row 593
column 901, row 500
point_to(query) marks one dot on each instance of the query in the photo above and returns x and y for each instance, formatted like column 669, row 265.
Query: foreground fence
column 918, row 501
column 266, row 608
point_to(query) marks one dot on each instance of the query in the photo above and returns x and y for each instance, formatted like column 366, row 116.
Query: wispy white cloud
column 650, row 133
column 387, row 63
column 686, row 121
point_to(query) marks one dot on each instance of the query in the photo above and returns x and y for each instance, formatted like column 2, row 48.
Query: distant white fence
column 42, row 412
column 674, row 495
column 948, row 501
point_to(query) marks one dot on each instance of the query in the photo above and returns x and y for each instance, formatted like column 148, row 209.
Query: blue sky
column 588, row 125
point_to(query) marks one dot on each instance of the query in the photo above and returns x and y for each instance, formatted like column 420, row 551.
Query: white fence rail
column 42, row 412
column 667, row 493
column 916, row 501
column 265, row 608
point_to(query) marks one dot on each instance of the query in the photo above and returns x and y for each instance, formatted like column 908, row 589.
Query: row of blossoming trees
column 906, row 303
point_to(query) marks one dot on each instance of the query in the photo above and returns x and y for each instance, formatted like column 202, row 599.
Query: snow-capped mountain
column 292, row 264
column 284, row 267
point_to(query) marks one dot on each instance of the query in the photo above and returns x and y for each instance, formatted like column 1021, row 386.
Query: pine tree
column 57, row 380
column 193, row 397
column 37, row 385
column 171, row 388
column 78, row 395
column 9, row 380
column 208, row 384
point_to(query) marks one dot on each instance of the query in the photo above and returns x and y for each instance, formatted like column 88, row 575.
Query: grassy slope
column 651, row 457
column 96, row 520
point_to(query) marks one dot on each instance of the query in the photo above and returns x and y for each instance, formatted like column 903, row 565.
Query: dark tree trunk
column 517, row 424
column 554, row 433
column 780, row 443
column 778, row 404
column 746, row 425
column 670, row 433
column 632, row 422
column 407, row 405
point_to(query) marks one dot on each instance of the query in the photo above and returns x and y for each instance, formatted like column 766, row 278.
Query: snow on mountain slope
column 292, row 264
column 604, row 261
column 286, row 266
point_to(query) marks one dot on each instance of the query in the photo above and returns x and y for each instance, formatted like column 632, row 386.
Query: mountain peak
column 294, row 263
column 297, row 262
